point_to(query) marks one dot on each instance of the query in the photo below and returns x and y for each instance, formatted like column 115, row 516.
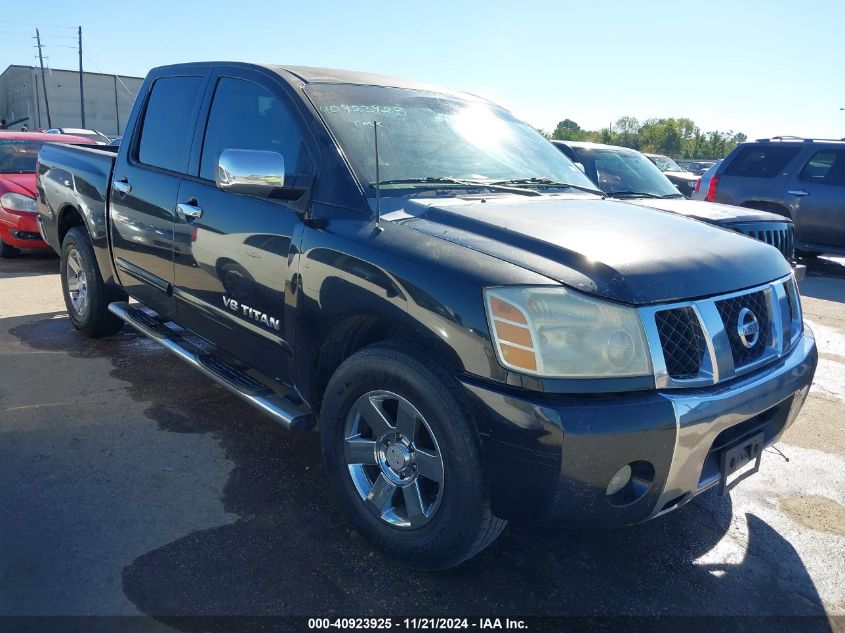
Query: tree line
column 679, row 138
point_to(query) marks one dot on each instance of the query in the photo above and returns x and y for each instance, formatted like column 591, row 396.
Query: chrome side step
column 291, row 415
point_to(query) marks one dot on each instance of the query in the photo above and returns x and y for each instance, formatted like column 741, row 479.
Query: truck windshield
column 427, row 136
column 18, row 156
column 623, row 173
column 664, row 163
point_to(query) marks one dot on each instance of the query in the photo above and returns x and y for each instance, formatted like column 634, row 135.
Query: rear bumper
column 21, row 230
column 555, row 455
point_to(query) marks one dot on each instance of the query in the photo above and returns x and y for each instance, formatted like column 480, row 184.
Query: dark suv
column 803, row 179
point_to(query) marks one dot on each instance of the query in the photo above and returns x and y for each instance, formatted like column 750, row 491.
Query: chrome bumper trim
column 701, row 416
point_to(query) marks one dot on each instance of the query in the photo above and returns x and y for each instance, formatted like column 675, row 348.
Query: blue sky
column 763, row 68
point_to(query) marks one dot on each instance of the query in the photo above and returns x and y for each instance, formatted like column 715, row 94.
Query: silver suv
column 803, row 179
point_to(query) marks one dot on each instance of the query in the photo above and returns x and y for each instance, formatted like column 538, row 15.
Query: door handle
column 798, row 192
column 122, row 185
column 189, row 209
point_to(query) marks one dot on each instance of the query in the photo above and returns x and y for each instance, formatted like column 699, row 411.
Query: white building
column 108, row 99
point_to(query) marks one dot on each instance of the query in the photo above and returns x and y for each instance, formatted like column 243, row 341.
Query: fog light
column 619, row 480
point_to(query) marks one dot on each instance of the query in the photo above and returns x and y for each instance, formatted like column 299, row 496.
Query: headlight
column 556, row 332
column 17, row 202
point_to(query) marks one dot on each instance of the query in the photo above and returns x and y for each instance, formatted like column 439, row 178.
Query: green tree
column 627, row 130
column 661, row 136
column 568, row 130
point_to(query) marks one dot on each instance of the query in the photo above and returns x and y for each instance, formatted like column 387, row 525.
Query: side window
column 246, row 116
column 826, row 167
column 169, row 120
column 761, row 161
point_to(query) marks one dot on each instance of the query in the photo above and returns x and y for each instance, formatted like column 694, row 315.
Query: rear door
column 145, row 184
column 752, row 172
column 231, row 260
column 816, row 195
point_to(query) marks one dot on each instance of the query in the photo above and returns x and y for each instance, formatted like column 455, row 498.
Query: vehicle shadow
column 291, row 552
column 30, row 263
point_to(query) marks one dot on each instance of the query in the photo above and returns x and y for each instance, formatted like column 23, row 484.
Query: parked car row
column 482, row 332
column 626, row 174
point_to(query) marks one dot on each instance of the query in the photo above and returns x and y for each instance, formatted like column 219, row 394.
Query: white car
column 700, row 191
column 94, row 135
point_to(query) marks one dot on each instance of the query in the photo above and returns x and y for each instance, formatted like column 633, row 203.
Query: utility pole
column 43, row 78
column 81, row 82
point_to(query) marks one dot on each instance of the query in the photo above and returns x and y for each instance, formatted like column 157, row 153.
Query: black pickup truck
column 480, row 333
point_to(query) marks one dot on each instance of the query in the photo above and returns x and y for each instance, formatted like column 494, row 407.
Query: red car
column 18, row 153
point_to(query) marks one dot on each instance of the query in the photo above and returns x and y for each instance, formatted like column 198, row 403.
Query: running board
column 290, row 415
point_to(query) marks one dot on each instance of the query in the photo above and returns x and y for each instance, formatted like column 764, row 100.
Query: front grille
column 700, row 342
column 730, row 309
column 682, row 341
column 779, row 235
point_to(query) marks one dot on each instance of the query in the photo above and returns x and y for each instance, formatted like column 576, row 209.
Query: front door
column 231, row 251
column 145, row 187
column 817, row 197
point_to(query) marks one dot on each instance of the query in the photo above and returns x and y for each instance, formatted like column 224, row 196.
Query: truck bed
column 77, row 176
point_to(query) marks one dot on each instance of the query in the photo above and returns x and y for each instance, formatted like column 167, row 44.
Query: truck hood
column 611, row 249
column 682, row 175
column 721, row 214
column 18, row 183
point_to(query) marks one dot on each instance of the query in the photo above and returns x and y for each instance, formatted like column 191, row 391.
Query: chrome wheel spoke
column 73, row 264
column 389, row 446
column 429, row 465
column 72, row 284
column 375, row 416
column 360, row 451
column 406, row 420
column 381, row 494
column 413, row 503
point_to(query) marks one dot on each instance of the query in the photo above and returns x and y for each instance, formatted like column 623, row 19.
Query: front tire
column 403, row 458
column 86, row 296
column 7, row 251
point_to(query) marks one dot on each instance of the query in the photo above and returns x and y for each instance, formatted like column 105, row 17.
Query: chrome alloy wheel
column 393, row 459
column 77, row 283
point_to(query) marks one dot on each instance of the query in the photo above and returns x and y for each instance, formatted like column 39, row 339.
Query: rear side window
column 761, row 161
column 169, row 123
column 826, row 167
column 245, row 115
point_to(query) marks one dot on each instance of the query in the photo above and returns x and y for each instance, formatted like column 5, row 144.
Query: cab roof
column 297, row 75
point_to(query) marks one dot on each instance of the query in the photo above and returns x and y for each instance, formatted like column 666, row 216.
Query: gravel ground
column 133, row 485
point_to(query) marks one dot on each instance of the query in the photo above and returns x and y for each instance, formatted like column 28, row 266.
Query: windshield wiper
column 548, row 182
column 445, row 180
column 634, row 194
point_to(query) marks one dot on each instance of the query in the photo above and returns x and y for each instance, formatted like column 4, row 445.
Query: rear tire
column 86, row 296
column 7, row 251
column 415, row 489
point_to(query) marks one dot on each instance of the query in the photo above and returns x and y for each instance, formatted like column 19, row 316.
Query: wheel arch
column 355, row 331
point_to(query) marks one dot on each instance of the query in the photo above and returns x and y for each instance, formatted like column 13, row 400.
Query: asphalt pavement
column 132, row 485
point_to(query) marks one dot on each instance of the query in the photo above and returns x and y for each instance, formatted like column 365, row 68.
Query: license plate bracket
column 738, row 455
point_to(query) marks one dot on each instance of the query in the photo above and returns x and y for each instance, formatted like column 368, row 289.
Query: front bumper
column 555, row 454
column 20, row 229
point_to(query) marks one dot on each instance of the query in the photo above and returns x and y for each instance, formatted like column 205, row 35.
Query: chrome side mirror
column 250, row 172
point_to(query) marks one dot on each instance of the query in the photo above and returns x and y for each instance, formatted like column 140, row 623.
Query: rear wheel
column 86, row 296
column 7, row 251
column 403, row 459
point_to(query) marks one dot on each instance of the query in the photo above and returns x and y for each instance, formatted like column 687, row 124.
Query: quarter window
column 761, row 161
column 169, row 122
column 246, row 116
column 826, row 167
